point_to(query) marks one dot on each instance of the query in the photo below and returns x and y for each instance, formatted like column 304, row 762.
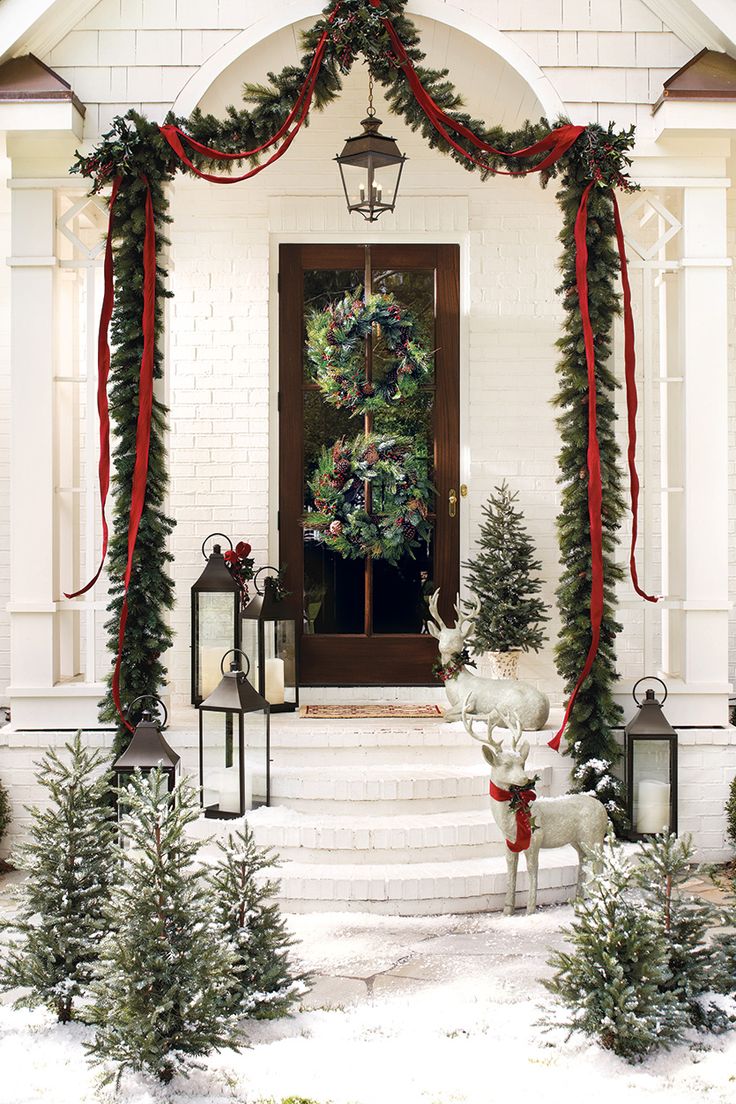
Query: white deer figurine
column 479, row 695
column 530, row 823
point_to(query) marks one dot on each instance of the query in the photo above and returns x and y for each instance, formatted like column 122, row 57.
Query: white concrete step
column 428, row 837
column 383, row 789
column 422, row 889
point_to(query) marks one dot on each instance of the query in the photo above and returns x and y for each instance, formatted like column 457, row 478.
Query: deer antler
column 465, row 619
column 512, row 722
column 491, row 721
column 434, row 599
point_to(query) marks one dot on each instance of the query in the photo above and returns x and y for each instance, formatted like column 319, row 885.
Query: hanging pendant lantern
column 370, row 167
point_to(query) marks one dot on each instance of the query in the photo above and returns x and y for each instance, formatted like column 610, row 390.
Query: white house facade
column 368, row 814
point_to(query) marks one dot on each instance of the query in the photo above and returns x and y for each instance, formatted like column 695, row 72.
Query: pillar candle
column 275, row 681
column 653, row 812
column 211, row 658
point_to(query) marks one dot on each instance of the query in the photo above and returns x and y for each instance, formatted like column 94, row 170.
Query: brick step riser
column 440, row 906
column 447, row 755
column 401, row 806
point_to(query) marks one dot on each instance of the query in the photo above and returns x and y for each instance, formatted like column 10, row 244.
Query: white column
column 696, row 624
column 32, row 551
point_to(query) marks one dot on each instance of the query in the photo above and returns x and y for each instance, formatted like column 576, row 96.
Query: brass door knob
column 452, row 502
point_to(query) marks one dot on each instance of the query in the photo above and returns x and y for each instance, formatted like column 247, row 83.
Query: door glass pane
column 414, row 292
column 323, row 286
column 335, row 589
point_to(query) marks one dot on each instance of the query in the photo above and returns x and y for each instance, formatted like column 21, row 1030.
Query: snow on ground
column 404, row 1011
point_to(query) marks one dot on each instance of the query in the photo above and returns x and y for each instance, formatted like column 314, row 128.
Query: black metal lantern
column 234, row 745
column 370, row 167
column 215, row 620
column 148, row 749
column 270, row 636
column 651, row 767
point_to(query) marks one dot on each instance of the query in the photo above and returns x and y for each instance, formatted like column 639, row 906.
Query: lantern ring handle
column 650, row 678
column 204, row 542
column 235, row 651
column 150, row 697
column 258, row 572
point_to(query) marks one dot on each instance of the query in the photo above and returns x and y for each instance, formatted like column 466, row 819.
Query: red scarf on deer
column 523, row 816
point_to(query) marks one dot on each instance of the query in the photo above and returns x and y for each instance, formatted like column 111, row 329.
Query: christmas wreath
column 336, row 350
column 400, row 498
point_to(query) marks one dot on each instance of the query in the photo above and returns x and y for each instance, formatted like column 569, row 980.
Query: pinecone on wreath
column 342, row 467
column 335, row 528
column 371, row 455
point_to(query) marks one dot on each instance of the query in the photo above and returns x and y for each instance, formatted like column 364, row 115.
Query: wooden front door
column 364, row 620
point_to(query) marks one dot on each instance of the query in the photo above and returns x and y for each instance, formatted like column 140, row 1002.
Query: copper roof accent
column 27, row 80
column 709, row 75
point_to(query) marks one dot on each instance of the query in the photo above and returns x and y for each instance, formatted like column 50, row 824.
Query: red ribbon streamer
column 300, row 110
column 142, row 433
column 103, row 373
column 523, row 815
column 595, row 492
column 558, row 141
column 631, row 399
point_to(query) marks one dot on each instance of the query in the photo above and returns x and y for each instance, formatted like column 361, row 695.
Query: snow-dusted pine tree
column 724, row 943
column 70, row 860
column 613, row 979
column 268, row 981
column 164, row 977
column 664, row 865
column 504, row 576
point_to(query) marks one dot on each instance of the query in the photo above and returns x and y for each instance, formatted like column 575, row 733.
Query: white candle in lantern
column 653, row 811
column 211, row 658
column 224, row 790
column 275, row 681
column 362, row 192
column 379, row 192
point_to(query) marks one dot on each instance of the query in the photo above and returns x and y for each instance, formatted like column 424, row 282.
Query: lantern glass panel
column 651, row 786
column 256, row 759
column 216, row 614
column 221, row 763
column 250, row 646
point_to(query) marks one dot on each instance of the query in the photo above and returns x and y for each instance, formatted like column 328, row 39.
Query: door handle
column 452, row 502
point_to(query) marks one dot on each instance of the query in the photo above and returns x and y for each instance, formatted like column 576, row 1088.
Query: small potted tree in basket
column 503, row 575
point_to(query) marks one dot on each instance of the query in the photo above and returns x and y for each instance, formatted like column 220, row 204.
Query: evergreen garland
column 600, row 154
column 503, row 576
column 70, row 861
column 4, row 810
column 267, row 982
column 590, row 731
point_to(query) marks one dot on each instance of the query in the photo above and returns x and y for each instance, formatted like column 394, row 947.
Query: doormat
column 350, row 712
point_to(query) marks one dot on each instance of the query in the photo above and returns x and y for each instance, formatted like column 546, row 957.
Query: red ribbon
column 557, row 142
column 142, row 433
column 297, row 115
column 103, row 373
column 523, row 815
column 631, row 399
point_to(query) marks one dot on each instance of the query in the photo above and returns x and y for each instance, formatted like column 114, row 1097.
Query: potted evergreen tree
column 503, row 576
